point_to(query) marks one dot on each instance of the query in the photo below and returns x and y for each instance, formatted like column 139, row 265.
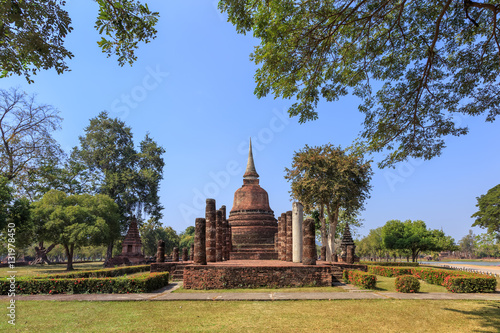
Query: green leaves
column 130, row 177
column 32, row 33
column 32, row 37
column 329, row 175
column 415, row 237
column 76, row 220
column 414, row 65
column 488, row 215
column 126, row 23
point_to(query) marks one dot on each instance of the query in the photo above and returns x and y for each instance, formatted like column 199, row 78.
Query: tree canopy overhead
column 32, row 33
column 414, row 64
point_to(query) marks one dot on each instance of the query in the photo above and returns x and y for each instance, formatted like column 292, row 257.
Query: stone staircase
column 336, row 274
column 178, row 273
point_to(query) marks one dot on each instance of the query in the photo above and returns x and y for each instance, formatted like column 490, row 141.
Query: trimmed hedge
column 407, row 284
column 470, row 284
column 388, row 263
column 390, row 271
column 454, row 281
column 120, row 285
column 359, row 278
column 100, row 273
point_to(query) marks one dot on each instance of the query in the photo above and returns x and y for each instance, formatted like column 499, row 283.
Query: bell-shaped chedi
column 252, row 221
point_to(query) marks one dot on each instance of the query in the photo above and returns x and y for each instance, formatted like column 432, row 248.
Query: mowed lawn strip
column 282, row 316
column 50, row 269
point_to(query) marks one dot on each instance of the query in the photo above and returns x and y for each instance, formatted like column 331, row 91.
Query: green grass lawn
column 51, row 269
column 264, row 290
column 387, row 284
column 280, row 316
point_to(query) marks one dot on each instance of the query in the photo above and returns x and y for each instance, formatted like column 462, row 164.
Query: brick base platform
column 263, row 273
column 248, row 255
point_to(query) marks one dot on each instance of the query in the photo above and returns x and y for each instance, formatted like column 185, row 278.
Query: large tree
column 415, row 65
column 467, row 244
column 415, row 237
column 130, row 177
column 372, row 245
column 32, row 33
column 329, row 178
column 152, row 232
column 76, row 220
column 25, row 133
column 488, row 215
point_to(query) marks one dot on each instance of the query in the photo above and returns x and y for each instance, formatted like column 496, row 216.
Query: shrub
column 432, row 275
column 470, row 284
column 359, row 278
column 107, row 272
column 389, row 271
column 407, row 284
column 388, row 263
column 138, row 284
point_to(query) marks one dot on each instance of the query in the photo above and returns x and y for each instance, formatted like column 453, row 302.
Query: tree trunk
column 69, row 254
column 324, row 235
column 41, row 254
column 109, row 252
column 414, row 255
column 333, row 217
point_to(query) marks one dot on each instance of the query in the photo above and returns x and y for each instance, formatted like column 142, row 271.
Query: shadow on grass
column 488, row 316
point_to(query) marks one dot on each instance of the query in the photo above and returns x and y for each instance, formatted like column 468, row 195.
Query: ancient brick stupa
column 131, row 248
column 252, row 221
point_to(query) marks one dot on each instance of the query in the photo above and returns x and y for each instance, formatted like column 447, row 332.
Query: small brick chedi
column 347, row 247
column 252, row 222
column 131, row 248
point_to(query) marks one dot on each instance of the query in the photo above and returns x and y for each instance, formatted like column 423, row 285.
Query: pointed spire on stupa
column 250, row 172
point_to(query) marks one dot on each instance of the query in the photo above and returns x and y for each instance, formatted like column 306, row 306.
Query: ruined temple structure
column 131, row 248
column 252, row 222
column 347, row 247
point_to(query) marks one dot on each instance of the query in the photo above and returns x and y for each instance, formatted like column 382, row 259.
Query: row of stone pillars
column 160, row 254
column 212, row 237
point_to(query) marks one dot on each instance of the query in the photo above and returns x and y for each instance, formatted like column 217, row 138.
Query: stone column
column 200, row 254
column 275, row 242
column 225, row 252
column 309, row 243
column 185, row 256
column 160, row 253
column 335, row 257
column 279, row 238
column 289, row 239
column 297, row 219
column 210, row 217
column 283, row 237
column 175, row 254
column 219, row 236
column 191, row 254
column 323, row 253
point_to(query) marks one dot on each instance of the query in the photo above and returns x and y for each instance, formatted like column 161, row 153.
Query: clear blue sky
column 192, row 89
